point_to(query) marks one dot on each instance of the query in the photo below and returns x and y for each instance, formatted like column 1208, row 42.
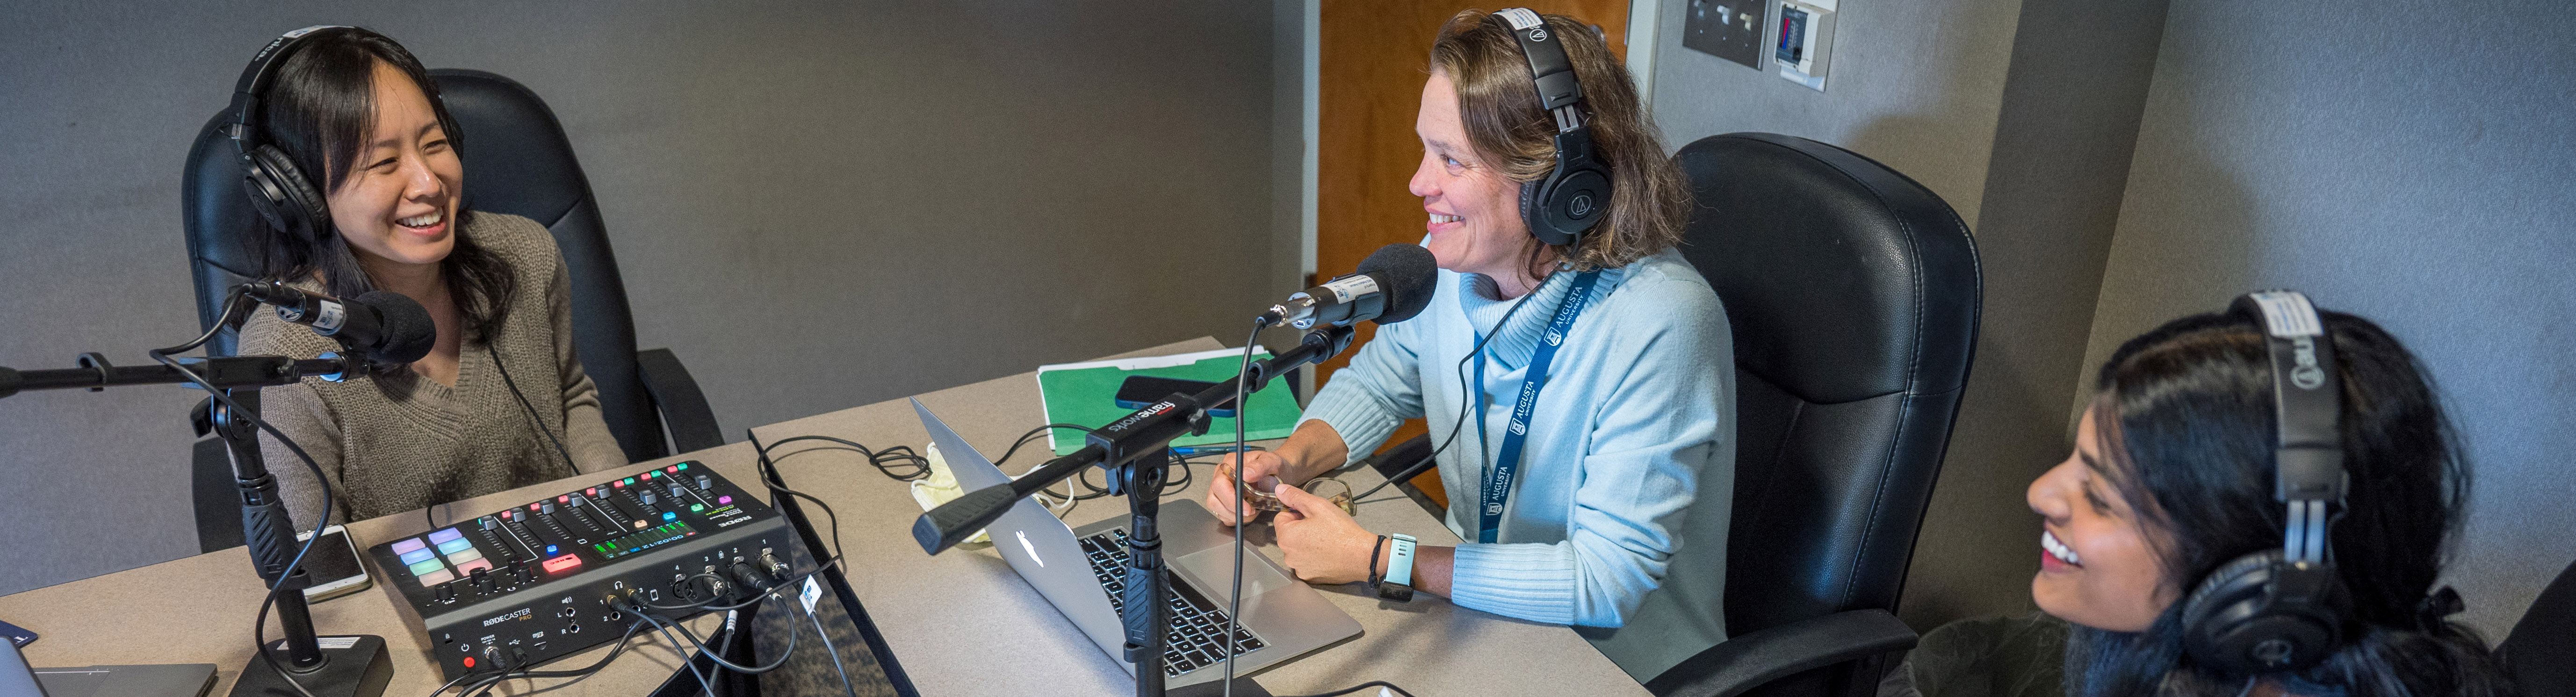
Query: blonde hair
column 1499, row 106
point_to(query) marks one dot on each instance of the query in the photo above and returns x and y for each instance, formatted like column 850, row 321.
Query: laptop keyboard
column 1195, row 640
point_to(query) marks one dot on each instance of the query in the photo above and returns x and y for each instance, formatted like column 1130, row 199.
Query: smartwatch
column 1398, row 584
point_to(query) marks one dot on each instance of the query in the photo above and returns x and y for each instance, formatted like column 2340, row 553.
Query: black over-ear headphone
column 2284, row 609
column 279, row 192
column 1568, row 201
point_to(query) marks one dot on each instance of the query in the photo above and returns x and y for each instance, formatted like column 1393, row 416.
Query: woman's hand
column 1323, row 544
column 1262, row 468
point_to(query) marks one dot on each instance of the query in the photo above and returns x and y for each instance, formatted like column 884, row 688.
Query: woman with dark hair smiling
column 501, row 400
column 2168, row 503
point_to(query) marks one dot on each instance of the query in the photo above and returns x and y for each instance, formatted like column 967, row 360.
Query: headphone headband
column 263, row 67
column 1549, row 67
column 1559, row 207
column 2286, row 609
column 2307, row 396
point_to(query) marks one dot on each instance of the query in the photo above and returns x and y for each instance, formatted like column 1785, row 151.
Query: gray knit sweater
column 397, row 442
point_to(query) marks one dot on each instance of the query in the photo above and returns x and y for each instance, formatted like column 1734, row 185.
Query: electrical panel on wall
column 1803, row 39
column 1729, row 29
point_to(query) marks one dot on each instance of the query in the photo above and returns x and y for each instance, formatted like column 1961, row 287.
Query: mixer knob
column 483, row 579
column 447, row 592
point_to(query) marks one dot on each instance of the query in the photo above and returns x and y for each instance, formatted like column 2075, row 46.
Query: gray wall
column 2124, row 163
column 2020, row 115
column 2413, row 168
column 816, row 205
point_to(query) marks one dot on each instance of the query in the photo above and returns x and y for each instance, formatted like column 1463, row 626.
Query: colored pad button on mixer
column 424, row 568
column 445, row 535
column 432, row 579
column 409, row 546
column 559, row 564
column 417, row 556
column 454, row 546
column 468, row 568
column 459, row 558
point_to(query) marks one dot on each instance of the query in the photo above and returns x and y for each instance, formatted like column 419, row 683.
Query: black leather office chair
column 517, row 161
column 2540, row 649
column 1853, row 293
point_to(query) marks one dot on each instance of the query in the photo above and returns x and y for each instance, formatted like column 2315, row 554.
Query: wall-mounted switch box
column 1729, row 29
column 1803, row 40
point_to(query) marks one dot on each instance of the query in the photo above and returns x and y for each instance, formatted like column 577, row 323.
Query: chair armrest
column 1746, row 662
column 685, row 413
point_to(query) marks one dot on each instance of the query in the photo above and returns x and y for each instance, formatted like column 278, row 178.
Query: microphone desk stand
column 355, row 665
column 1135, row 450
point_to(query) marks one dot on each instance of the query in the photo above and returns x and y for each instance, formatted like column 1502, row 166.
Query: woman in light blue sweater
column 1611, row 512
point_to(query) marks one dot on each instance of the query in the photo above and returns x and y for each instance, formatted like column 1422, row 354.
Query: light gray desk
column 962, row 623
column 199, row 609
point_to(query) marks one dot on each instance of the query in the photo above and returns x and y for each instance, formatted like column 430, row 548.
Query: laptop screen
column 16, row 679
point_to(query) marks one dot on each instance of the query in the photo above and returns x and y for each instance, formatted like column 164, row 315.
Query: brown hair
column 1499, row 106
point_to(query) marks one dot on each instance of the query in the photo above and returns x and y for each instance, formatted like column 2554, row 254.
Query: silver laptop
column 1083, row 572
column 176, row 680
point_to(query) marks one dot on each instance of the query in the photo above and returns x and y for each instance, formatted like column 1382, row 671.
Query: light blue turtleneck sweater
column 1606, row 526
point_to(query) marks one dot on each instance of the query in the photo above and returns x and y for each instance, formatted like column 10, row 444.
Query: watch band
column 1398, row 583
column 1373, row 575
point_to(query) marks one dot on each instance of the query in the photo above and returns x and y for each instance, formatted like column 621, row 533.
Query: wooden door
column 1376, row 53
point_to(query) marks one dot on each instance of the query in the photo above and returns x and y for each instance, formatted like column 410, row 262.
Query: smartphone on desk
column 333, row 563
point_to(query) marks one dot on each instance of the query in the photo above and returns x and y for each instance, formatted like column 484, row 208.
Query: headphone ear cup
column 1533, row 207
column 283, row 197
column 1575, row 204
column 2232, row 623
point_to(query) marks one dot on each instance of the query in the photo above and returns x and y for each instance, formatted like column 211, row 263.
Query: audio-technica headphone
column 2284, row 609
column 279, row 192
column 1559, row 207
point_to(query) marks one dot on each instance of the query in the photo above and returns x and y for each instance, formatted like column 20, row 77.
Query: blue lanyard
column 1507, row 464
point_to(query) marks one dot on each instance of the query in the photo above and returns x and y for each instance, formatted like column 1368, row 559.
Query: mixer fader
column 531, row 583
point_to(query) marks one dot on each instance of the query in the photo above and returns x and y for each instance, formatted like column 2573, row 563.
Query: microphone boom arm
column 1148, row 430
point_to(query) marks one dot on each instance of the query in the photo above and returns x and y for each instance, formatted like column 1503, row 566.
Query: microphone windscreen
column 409, row 333
column 1407, row 274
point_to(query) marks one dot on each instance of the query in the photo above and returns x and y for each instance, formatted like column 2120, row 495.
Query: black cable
column 1478, row 397
column 769, row 477
column 828, row 648
column 793, row 631
column 495, row 351
column 1033, row 435
column 259, row 625
column 703, row 682
column 577, row 674
column 1234, row 598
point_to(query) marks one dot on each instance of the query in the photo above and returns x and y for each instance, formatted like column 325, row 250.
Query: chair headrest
column 1827, row 262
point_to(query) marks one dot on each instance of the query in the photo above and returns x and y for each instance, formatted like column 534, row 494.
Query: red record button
column 559, row 564
column 469, row 661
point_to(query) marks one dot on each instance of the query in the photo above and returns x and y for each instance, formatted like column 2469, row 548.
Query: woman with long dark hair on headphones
column 501, row 400
column 2161, row 531
column 1576, row 496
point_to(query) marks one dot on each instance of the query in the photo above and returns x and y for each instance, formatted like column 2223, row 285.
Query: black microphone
column 389, row 328
column 1392, row 285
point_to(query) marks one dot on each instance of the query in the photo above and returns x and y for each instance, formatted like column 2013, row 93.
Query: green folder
column 1087, row 394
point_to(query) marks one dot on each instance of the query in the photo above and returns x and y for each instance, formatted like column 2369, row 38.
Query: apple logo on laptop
column 1033, row 549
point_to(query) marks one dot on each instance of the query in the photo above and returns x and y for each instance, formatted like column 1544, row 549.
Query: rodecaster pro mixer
column 532, row 583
